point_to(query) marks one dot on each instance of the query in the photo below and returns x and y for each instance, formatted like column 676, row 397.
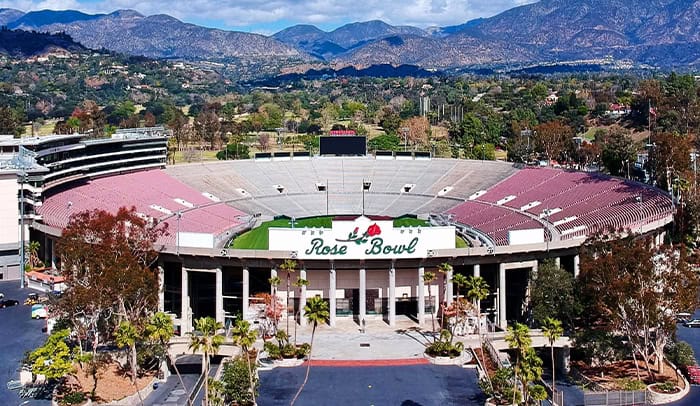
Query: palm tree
column 316, row 311
column 299, row 284
column 205, row 339
column 477, row 290
column 444, row 268
column 245, row 338
column 33, row 253
column 289, row 266
column 518, row 339
column 429, row 278
column 160, row 329
column 127, row 335
column 552, row 329
column 274, row 283
column 460, row 281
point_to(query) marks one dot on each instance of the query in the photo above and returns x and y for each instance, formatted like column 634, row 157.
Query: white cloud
column 260, row 13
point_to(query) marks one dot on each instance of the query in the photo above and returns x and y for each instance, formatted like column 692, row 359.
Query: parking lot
column 382, row 385
column 18, row 334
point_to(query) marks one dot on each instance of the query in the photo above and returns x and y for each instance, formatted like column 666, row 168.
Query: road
column 692, row 337
column 18, row 334
column 413, row 385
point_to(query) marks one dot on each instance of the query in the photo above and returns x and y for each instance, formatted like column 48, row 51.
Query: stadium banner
column 362, row 238
column 529, row 236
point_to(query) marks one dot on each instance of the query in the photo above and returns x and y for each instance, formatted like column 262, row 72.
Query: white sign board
column 530, row 236
column 362, row 238
column 195, row 240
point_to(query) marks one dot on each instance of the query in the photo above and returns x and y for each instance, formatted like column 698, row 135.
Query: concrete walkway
column 379, row 341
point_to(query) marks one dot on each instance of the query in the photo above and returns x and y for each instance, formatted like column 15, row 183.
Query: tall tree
column 10, row 122
column 477, row 290
column 428, row 278
column 33, row 252
column 127, row 335
column 552, row 330
column 244, row 337
column 160, row 330
column 526, row 361
column 206, row 340
column 107, row 260
column 618, row 151
column 289, row 266
column 316, row 311
column 460, row 281
column 551, row 138
column 208, row 126
column 637, row 288
column 552, row 294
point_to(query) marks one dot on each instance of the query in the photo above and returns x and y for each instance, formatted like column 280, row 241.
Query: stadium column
column 185, row 305
column 449, row 294
column 273, row 274
column 576, row 266
column 219, row 298
column 246, row 291
column 502, row 296
column 477, row 270
column 331, row 296
column 557, row 262
column 392, row 295
column 363, row 296
column 421, row 296
column 302, row 299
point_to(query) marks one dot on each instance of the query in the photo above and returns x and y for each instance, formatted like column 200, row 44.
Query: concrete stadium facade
column 512, row 219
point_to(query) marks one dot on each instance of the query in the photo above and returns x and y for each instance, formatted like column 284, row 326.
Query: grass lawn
column 460, row 243
column 197, row 156
column 258, row 239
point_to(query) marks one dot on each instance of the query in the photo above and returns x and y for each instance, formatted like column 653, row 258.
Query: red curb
column 367, row 363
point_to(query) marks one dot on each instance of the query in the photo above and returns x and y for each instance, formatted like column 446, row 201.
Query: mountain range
column 656, row 32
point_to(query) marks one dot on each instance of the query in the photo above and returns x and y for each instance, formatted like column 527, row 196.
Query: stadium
column 364, row 229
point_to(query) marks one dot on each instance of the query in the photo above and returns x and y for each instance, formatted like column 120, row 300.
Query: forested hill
column 18, row 43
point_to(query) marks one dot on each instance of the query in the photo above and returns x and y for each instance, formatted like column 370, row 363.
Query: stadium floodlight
column 641, row 212
column 366, row 185
column 24, row 160
column 178, row 215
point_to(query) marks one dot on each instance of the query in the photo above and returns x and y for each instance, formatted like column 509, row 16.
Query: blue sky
column 269, row 16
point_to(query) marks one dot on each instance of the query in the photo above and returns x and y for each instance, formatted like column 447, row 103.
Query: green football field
column 257, row 238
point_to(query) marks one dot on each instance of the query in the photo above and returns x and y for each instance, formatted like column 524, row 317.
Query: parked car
column 32, row 299
column 7, row 303
column 693, row 374
column 693, row 323
column 683, row 317
column 39, row 311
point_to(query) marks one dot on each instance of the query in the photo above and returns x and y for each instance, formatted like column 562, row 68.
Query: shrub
column 236, row 384
column 443, row 347
column 501, row 387
column 665, row 387
column 630, row 384
column 681, row 354
column 276, row 351
column 73, row 398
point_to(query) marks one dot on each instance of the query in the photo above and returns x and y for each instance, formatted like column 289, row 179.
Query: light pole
column 641, row 217
column 22, row 179
column 365, row 187
column 178, row 215
column 405, row 131
column 326, row 197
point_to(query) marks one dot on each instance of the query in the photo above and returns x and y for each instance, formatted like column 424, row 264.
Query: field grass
column 257, row 238
column 460, row 243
